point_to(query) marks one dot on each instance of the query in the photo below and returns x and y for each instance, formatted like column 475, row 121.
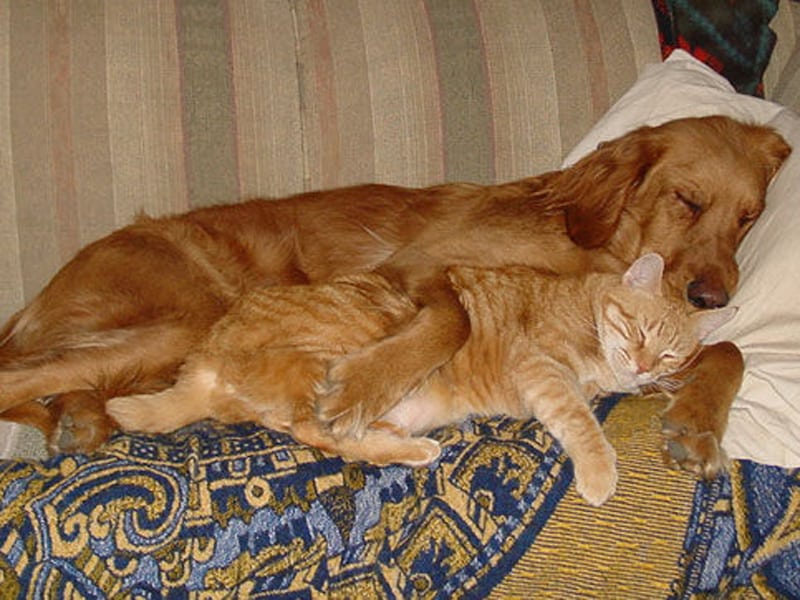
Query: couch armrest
column 783, row 76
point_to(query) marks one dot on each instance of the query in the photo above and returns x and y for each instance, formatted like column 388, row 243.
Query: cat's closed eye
column 667, row 355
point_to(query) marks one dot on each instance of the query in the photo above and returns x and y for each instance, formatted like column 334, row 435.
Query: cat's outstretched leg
column 184, row 403
column 697, row 416
column 381, row 444
column 551, row 397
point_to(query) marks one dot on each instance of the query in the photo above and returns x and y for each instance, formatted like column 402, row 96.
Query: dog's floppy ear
column 772, row 147
column 595, row 190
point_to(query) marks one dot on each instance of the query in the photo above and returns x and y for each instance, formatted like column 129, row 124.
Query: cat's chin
column 628, row 382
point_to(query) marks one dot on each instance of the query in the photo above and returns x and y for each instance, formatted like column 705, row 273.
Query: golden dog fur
column 122, row 314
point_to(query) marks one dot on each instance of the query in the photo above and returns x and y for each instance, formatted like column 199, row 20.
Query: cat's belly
column 419, row 413
column 409, row 417
column 439, row 403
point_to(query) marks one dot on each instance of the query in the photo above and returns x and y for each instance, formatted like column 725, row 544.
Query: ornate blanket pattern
column 221, row 512
column 744, row 537
column 240, row 508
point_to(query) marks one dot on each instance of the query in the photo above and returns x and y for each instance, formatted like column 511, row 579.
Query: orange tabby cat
column 540, row 345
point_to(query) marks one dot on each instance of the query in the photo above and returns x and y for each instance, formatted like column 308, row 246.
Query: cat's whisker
column 668, row 384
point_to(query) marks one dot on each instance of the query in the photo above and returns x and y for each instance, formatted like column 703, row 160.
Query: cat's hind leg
column 549, row 393
column 381, row 444
column 186, row 402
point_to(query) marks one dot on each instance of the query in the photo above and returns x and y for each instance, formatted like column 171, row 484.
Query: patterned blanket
column 733, row 38
column 229, row 512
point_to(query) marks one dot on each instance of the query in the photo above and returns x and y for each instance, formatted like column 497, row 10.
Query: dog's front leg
column 363, row 386
column 696, row 419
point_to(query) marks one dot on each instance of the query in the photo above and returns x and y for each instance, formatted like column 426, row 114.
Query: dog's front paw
column 695, row 420
column 343, row 414
column 82, row 426
column 696, row 451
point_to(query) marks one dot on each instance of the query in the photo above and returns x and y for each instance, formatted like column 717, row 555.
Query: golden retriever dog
column 122, row 314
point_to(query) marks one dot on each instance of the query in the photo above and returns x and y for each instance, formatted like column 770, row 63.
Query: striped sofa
column 109, row 108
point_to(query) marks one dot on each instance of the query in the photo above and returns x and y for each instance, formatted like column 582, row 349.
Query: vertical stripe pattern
column 31, row 145
column 11, row 293
column 116, row 107
column 464, row 91
column 90, row 134
column 269, row 140
column 112, row 107
column 207, row 100
column 144, row 108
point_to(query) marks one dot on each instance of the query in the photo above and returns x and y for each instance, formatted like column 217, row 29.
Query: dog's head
column 689, row 190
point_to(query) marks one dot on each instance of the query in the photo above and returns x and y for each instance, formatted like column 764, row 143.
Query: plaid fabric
column 733, row 38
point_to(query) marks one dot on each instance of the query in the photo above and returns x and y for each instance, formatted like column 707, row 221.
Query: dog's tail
column 188, row 401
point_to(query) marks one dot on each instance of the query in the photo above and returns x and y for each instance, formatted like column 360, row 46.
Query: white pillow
column 765, row 418
column 764, row 423
column 679, row 87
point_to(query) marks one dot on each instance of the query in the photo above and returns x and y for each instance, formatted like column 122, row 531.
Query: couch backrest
column 117, row 107
column 110, row 108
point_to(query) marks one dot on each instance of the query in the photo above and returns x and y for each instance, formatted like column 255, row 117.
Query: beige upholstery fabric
column 117, row 107
column 785, row 64
column 108, row 108
column 779, row 74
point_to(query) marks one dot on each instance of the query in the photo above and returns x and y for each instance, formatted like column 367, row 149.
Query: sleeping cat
column 540, row 345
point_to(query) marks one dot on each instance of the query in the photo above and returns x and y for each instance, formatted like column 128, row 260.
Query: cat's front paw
column 347, row 401
column 420, row 452
column 696, row 451
column 596, row 479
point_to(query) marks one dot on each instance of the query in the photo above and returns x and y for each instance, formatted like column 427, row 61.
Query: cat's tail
column 184, row 403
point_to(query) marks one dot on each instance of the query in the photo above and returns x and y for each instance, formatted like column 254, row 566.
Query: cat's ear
column 708, row 321
column 645, row 274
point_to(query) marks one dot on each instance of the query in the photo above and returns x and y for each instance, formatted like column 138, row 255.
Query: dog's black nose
column 703, row 295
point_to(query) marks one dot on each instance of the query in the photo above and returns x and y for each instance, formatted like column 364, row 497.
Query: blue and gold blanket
column 242, row 512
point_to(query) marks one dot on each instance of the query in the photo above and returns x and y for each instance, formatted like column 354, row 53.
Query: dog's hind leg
column 87, row 372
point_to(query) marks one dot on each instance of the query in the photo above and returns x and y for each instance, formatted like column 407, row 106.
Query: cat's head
column 646, row 335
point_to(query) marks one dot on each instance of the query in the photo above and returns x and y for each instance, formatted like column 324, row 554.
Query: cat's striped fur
column 540, row 345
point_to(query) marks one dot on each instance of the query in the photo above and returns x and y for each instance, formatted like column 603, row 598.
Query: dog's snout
column 704, row 295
